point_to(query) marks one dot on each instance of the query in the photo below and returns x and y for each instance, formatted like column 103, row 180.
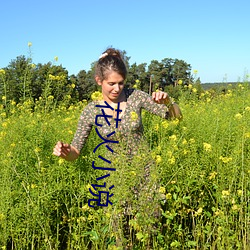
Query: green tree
column 138, row 73
column 18, row 79
column 52, row 80
column 168, row 72
column 74, row 85
column 181, row 71
column 155, row 70
column 86, row 84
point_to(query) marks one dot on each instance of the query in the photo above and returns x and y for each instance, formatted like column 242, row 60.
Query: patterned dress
column 130, row 128
column 136, row 190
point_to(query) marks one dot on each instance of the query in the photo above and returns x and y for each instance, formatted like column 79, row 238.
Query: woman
column 110, row 74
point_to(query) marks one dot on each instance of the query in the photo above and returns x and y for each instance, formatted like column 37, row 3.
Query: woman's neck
column 121, row 98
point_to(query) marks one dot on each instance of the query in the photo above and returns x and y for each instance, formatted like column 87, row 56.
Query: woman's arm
column 70, row 152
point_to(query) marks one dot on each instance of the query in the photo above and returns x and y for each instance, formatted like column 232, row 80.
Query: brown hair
column 110, row 60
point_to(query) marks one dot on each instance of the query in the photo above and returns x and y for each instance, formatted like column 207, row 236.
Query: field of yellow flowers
column 202, row 165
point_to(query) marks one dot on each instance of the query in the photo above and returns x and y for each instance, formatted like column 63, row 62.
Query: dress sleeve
column 151, row 106
column 84, row 127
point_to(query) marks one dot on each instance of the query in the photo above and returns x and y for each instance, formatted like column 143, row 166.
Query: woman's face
column 112, row 86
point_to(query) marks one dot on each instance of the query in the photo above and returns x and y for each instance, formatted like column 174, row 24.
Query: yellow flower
column 158, row 159
column 85, row 208
column 168, row 196
column 37, row 149
column 225, row 159
column 3, row 97
column 13, row 103
column 190, row 86
column 238, row 116
column 133, row 173
column 239, row 192
column 115, row 107
column 96, row 96
column 212, row 175
column 198, row 212
column 162, row 190
column 133, row 116
column 184, row 141
column 4, row 124
column 156, row 127
column 175, row 122
column 164, row 124
column 180, row 82
column 2, row 72
column 51, row 77
column 225, row 193
column 191, row 140
column 2, row 217
column 218, row 212
column 247, row 135
column 246, row 108
column 195, row 71
column 60, row 161
column 73, row 85
column 207, row 147
column 137, row 81
column 89, row 186
column 56, row 58
column 9, row 154
column 171, row 160
column 173, row 137
column 29, row 44
column 90, row 217
column 67, row 119
column 135, row 86
column 50, row 97
column 169, row 153
column 194, row 90
column 229, row 93
column 235, row 207
column 108, row 215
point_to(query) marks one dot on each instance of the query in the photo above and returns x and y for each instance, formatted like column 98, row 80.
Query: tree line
column 22, row 79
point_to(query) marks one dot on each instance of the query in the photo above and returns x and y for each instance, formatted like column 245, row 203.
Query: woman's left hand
column 161, row 97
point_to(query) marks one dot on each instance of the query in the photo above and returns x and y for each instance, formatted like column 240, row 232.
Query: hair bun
column 103, row 55
column 111, row 52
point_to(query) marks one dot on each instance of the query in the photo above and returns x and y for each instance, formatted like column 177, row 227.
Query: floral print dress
column 140, row 189
column 130, row 128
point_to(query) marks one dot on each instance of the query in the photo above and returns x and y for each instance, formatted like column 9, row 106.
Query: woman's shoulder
column 90, row 108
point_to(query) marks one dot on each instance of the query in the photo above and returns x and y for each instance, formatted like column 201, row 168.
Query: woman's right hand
column 61, row 149
column 66, row 151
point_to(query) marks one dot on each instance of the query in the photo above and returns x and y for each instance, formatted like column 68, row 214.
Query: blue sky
column 212, row 36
